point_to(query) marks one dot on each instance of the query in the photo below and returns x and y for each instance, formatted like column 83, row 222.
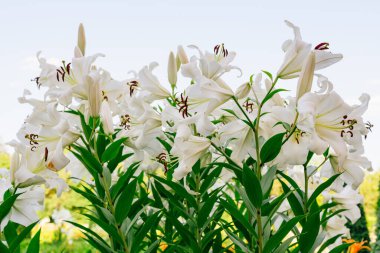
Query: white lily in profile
column 352, row 168
column 189, row 149
column 25, row 208
column 150, row 84
column 297, row 51
column 348, row 199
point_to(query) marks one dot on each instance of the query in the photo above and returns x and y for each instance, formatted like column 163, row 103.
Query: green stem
column 258, row 168
column 112, row 210
column 305, row 199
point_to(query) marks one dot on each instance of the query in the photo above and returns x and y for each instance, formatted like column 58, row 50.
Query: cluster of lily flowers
column 199, row 121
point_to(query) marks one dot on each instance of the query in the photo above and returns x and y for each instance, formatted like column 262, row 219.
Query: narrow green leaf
column 268, row 74
column 124, row 202
column 34, row 244
column 16, row 242
column 7, row 204
column 321, row 188
column 341, row 248
column 252, row 186
column 271, row 94
column 277, row 238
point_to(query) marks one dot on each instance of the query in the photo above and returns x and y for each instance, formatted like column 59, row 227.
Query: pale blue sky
column 133, row 33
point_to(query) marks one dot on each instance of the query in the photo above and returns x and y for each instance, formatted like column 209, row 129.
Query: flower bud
column 243, row 90
column 81, row 39
column 182, row 55
column 106, row 117
column 94, row 96
column 306, row 76
column 172, row 70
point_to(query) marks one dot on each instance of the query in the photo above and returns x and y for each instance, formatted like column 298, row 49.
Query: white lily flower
column 297, row 51
column 325, row 117
column 348, row 199
column 352, row 168
column 189, row 149
column 336, row 225
column 149, row 83
column 25, row 208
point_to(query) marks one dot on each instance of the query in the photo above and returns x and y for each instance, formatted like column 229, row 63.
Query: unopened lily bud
column 306, row 76
column 178, row 60
column 77, row 52
column 182, row 55
column 94, row 96
column 243, row 90
column 172, row 70
column 106, row 117
column 81, row 39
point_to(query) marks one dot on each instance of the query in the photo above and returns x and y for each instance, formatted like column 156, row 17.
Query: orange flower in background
column 356, row 246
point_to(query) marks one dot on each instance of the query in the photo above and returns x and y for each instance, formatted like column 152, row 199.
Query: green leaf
column 271, row 148
column 142, row 232
column 16, row 242
column 34, row 244
column 321, row 188
column 7, row 204
column 89, row 160
column 123, row 180
column 179, row 189
column 294, row 202
column 108, row 228
column 10, row 233
column 268, row 74
column 85, row 127
column 271, row 94
column 267, row 180
column 206, row 209
column 340, row 248
column 310, row 229
column 124, row 202
column 252, row 186
column 88, row 195
column 328, row 243
column 277, row 238
column 3, row 248
column 112, row 150
column 89, row 231
column 235, row 213
column 166, row 145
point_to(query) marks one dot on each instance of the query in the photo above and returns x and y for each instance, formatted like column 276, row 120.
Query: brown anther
column 37, row 80
column 183, row 106
column 125, row 121
column 46, row 154
column 248, row 106
column 162, row 159
column 132, row 86
column 322, row 46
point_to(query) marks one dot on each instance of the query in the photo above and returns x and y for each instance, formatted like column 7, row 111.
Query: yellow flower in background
column 356, row 246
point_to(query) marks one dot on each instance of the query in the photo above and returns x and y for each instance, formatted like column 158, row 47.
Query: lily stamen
column 322, row 46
